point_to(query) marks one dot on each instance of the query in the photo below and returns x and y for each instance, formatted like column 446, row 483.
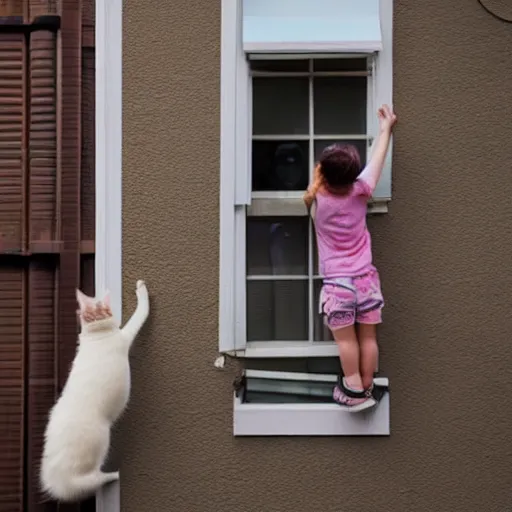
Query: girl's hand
column 313, row 188
column 387, row 118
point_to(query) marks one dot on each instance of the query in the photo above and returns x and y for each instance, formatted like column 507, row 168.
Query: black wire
column 497, row 16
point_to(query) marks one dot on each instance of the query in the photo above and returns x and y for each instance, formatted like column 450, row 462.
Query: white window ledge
column 378, row 206
column 285, row 349
column 274, row 349
column 310, row 419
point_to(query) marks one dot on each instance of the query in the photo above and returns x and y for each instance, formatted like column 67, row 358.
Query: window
column 285, row 97
column 299, row 107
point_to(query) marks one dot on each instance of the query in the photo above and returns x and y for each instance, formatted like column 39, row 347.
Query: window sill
column 268, row 204
column 309, row 419
column 378, row 206
column 271, row 349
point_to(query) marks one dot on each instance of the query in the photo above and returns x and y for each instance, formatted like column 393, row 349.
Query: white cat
column 77, row 436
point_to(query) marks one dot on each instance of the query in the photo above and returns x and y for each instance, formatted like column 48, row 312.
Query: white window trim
column 328, row 47
column 268, row 419
column 108, row 258
column 235, row 154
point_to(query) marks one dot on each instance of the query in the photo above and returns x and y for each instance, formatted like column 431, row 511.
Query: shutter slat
column 88, row 166
column 43, row 137
column 70, row 153
column 69, row 145
column 41, row 157
column 42, row 304
column 41, row 7
column 12, row 284
column 41, row 372
column 12, row 91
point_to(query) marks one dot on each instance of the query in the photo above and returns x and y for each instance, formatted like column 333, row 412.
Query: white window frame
column 236, row 137
column 235, row 199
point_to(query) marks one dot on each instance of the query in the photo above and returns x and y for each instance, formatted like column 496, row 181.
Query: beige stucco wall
column 443, row 251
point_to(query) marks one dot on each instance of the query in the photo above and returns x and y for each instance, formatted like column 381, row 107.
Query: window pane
column 321, row 332
column 277, row 245
column 277, row 310
column 286, row 391
column 340, row 64
column 278, row 165
column 280, row 65
column 340, row 105
column 280, row 106
column 359, row 144
column 255, row 397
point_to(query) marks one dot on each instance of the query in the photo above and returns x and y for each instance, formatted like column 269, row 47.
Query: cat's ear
column 82, row 299
column 106, row 298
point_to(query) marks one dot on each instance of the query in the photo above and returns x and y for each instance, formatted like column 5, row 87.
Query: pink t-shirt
column 344, row 243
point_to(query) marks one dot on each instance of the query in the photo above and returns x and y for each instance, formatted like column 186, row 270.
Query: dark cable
column 497, row 16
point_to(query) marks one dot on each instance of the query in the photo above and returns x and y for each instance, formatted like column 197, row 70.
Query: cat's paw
column 141, row 291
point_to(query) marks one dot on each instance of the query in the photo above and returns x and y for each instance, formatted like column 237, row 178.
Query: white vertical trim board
column 108, row 259
column 242, row 116
column 239, row 271
column 228, row 80
column 108, row 498
column 384, row 88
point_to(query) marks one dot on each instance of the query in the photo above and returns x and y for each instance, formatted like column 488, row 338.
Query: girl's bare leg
column 348, row 347
column 369, row 352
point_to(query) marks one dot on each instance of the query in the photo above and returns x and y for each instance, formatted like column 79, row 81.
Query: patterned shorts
column 347, row 300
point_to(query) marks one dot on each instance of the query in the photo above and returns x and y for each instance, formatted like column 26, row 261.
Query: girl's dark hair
column 340, row 165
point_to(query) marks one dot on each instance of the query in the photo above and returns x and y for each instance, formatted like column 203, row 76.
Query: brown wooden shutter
column 12, row 274
column 46, row 224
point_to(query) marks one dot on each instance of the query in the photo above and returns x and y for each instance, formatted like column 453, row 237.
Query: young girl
column 351, row 294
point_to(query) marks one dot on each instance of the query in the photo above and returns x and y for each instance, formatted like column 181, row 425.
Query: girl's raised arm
column 373, row 170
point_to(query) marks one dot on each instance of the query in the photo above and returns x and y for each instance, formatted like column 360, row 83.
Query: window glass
column 340, row 105
column 277, row 246
column 280, row 165
column 277, row 310
column 283, row 284
column 280, row 106
column 340, row 64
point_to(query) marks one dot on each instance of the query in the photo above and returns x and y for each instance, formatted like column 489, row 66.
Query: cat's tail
column 78, row 487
